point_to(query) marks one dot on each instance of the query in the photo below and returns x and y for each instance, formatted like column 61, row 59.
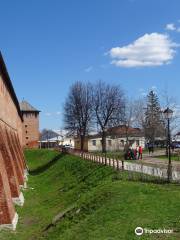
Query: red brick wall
column 12, row 163
column 31, row 129
column 8, row 111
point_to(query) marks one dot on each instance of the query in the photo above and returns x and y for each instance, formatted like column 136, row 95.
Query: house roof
column 54, row 139
column 27, row 107
column 121, row 131
column 8, row 83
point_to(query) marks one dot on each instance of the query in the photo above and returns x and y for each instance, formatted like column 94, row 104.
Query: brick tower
column 30, row 125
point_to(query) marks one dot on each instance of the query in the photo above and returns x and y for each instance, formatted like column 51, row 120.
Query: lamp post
column 168, row 115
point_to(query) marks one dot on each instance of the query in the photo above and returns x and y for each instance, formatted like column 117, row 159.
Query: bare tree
column 171, row 102
column 133, row 116
column 108, row 107
column 139, row 113
column 78, row 110
column 129, row 113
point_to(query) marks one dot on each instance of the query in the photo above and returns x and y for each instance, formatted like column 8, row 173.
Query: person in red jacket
column 140, row 153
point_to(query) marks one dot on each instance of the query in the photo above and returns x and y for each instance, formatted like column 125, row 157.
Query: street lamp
column 168, row 115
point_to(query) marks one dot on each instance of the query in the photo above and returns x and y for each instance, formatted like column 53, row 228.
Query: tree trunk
column 82, row 142
column 103, row 141
column 127, row 136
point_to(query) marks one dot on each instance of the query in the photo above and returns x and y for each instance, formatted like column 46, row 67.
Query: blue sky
column 49, row 44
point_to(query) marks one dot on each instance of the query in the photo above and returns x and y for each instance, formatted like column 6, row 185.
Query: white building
column 176, row 138
column 68, row 141
column 116, row 139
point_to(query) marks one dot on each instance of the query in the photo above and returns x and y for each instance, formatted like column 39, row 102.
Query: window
column 26, row 126
column 27, row 138
column 109, row 142
column 26, row 132
column 122, row 143
column 94, row 142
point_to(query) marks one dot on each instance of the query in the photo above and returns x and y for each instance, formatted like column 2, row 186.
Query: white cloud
column 170, row 26
column 173, row 27
column 153, row 49
column 88, row 69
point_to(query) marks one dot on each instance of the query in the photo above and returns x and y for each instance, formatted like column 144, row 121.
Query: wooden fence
column 117, row 164
column 113, row 162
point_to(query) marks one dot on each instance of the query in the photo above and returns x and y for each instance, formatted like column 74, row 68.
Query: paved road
column 152, row 159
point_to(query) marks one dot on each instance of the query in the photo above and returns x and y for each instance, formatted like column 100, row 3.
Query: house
column 77, row 144
column 68, row 141
column 51, row 142
column 176, row 138
column 116, row 138
column 55, row 138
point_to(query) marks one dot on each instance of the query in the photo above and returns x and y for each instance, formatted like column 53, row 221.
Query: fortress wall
column 12, row 162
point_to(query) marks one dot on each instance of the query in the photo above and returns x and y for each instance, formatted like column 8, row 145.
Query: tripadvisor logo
column 139, row 231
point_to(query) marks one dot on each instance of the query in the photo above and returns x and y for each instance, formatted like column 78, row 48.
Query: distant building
column 30, row 125
column 77, row 144
column 55, row 138
column 176, row 138
column 116, row 138
column 67, row 139
column 54, row 142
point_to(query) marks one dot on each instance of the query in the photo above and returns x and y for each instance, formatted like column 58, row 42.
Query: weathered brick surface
column 12, row 163
column 7, row 211
column 30, row 130
column 20, row 151
column 12, row 141
column 9, row 164
column 16, row 158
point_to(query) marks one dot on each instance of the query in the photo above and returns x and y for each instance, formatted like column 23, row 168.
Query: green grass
column 38, row 158
column 105, row 204
column 173, row 157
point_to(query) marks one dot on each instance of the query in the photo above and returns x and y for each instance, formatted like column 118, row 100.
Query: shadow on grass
column 43, row 168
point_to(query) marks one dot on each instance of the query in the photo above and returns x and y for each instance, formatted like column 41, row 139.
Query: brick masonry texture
column 12, row 162
column 31, row 129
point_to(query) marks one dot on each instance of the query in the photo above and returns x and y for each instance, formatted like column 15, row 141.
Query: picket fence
column 129, row 166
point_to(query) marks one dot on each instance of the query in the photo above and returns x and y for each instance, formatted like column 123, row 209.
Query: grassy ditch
column 70, row 198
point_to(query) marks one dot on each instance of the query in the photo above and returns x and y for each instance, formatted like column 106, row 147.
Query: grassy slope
column 110, row 209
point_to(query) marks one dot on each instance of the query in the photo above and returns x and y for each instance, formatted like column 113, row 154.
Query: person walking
column 151, row 148
column 140, row 152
